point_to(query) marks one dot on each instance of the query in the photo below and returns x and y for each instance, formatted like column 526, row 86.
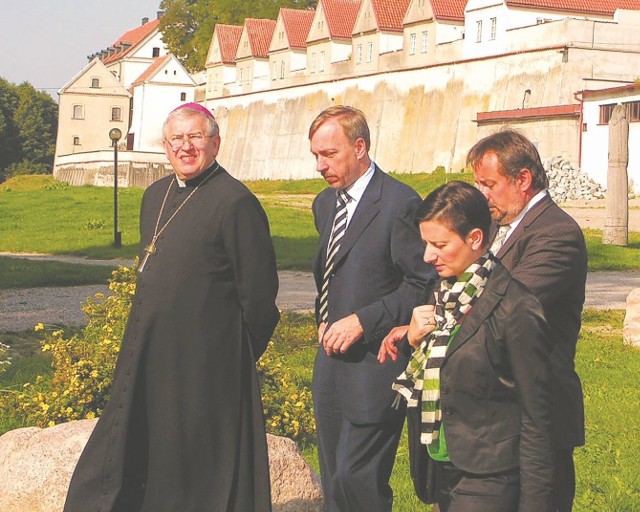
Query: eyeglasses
column 197, row 140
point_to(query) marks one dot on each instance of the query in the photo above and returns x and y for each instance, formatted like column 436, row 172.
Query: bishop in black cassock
column 184, row 429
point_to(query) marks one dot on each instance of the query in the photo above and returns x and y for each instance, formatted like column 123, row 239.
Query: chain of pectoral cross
column 151, row 248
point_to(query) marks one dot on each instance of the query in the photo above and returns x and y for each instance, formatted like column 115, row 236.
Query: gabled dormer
column 429, row 23
column 133, row 52
column 252, row 56
column 378, row 30
column 157, row 91
column 329, row 38
column 221, row 60
column 288, row 49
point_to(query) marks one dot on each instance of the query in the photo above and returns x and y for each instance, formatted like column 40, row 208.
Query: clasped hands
column 340, row 335
column 423, row 322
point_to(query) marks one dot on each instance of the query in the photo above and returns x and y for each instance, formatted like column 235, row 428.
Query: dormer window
column 95, row 83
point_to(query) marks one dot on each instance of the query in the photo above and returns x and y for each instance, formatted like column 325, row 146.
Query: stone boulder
column 631, row 326
column 36, row 466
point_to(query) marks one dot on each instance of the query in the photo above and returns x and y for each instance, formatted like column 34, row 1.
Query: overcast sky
column 46, row 42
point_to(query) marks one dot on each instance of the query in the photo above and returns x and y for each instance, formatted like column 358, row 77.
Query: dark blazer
column 548, row 254
column 495, row 390
column 379, row 274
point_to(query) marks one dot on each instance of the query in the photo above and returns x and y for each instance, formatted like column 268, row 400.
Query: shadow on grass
column 295, row 253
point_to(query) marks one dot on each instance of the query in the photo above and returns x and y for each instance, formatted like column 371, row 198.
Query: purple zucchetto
column 195, row 106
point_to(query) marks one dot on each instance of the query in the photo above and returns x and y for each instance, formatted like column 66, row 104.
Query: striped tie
column 339, row 227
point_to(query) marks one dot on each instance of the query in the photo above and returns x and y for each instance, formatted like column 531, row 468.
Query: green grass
column 608, row 469
column 611, row 257
column 42, row 215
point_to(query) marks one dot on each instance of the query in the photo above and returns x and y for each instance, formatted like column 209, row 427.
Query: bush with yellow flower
column 83, row 366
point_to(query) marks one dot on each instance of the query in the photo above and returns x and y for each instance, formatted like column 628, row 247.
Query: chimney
column 144, row 20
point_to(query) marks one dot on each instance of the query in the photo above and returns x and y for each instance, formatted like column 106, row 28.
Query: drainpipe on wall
column 581, row 100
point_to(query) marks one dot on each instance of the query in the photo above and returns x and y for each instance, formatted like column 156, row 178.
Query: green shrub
column 83, row 366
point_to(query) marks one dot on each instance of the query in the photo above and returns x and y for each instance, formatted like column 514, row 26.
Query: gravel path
column 23, row 309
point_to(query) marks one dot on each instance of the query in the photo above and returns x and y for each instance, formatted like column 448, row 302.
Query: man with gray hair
column 183, row 430
column 544, row 248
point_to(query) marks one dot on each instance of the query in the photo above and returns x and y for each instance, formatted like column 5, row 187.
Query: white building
column 594, row 140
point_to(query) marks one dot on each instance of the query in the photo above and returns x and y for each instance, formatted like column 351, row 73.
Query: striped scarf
column 420, row 382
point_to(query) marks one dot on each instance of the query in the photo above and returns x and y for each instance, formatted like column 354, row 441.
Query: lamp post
column 115, row 135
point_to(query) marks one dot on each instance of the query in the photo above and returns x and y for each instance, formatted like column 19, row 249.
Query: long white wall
column 419, row 119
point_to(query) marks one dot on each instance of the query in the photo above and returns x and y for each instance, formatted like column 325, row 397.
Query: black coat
column 183, row 430
column 548, row 254
column 495, row 387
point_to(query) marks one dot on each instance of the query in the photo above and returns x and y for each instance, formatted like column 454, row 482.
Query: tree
column 187, row 25
column 36, row 118
column 9, row 141
column 28, row 125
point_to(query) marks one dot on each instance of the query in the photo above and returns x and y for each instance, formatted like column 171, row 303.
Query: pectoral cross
column 149, row 250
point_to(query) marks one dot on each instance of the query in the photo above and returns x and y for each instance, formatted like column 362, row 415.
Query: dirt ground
column 593, row 214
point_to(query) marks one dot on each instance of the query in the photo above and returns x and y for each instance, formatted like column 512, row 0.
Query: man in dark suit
column 544, row 248
column 369, row 274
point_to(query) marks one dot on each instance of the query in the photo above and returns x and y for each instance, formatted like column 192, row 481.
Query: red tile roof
column 571, row 110
column 452, row 10
column 260, row 32
column 228, row 40
column 390, row 13
column 134, row 37
column 297, row 23
column 157, row 62
column 603, row 7
column 341, row 17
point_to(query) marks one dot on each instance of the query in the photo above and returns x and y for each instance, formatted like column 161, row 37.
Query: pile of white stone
column 569, row 183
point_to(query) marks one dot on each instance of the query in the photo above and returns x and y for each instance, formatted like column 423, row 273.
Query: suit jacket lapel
column 535, row 211
column 365, row 212
column 490, row 298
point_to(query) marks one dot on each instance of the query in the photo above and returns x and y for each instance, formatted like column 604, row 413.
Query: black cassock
column 184, row 429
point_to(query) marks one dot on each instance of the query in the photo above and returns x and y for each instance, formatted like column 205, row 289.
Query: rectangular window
column 479, row 31
column 321, row 67
column 274, row 72
column 76, row 141
column 183, row 96
column 116, row 114
column 412, row 44
column 359, row 54
column 78, row 112
column 281, row 70
column 155, row 52
column 605, row 113
column 313, row 62
column 95, row 83
column 633, row 111
column 494, row 24
column 369, row 52
column 425, row 41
